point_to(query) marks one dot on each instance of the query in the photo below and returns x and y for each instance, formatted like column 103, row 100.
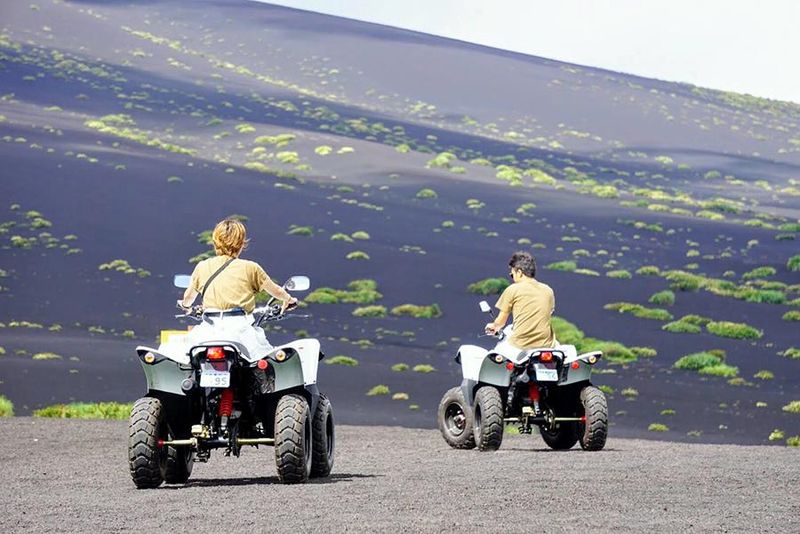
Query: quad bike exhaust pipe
column 542, row 419
column 214, row 443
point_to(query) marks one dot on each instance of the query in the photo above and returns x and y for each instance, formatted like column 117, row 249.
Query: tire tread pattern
column 596, row 426
column 290, row 454
column 491, row 406
column 143, row 454
column 321, row 463
column 466, row 441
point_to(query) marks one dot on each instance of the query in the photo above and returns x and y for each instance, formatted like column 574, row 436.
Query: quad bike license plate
column 215, row 379
column 544, row 374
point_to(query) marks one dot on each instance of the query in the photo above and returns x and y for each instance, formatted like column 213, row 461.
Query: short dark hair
column 525, row 262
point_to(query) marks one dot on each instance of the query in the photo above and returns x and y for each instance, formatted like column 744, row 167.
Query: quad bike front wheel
column 293, row 438
column 147, row 425
column 455, row 420
column 324, row 441
column 592, row 434
column 487, row 419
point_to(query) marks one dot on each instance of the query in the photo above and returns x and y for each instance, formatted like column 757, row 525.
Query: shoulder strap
column 211, row 278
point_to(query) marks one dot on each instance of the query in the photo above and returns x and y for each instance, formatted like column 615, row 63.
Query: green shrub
column 323, row 150
column 759, row 272
column 566, row 332
column 400, row 396
column 720, row 369
column 378, row 390
column 667, row 411
column 657, row 427
column 792, row 407
column 663, row 298
column 644, row 352
column 423, row 368
column 277, row 140
column 608, row 390
column 640, row 311
column 733, row 330
column 81, row 410
column 6, row 407
column 776, row 435
column 342, row 360
column 46, row 356
column 681, row 327
column 400, row 367
column 612, row 351
column 648, row 270
column 791, row 353
column 764, row 375
column 300, row 230
column 697, row 361
column 698, row 320
column 341, row 237
column 792, row 315
column 426, row 193
column 620, row 273
column 630, row 393
column 360, row 234
column 566, row 265
column 793, row 264
column 370, row 311
column 489, row 286
column 683, row 281
column 419, row 312
column 793, row 441
column 358, row 292
column 357, row 255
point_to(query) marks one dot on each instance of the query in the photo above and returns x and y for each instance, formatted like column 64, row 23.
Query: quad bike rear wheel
column 324, row 442
column 293, row 439
column 455, row 420
column 562, row 437
column 180, row 461
column 487, row 419
column 146, row 426
column 593, row 433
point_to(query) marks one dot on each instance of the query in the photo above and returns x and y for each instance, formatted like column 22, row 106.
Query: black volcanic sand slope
column 392, row 479
column 356, row 151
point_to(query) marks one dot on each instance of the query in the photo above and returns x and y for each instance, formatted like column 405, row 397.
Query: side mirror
column 297, row 283
column 485, row 308
column 182, row 280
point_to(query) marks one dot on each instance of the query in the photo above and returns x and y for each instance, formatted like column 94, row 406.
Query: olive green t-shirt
column 235, row 287
column 531, row 303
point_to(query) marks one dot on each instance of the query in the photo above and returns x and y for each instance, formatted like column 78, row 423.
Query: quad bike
column 548, row 387
column 215, row 395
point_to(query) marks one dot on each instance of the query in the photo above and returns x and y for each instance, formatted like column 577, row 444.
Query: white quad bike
column 216, row 395
column 548, row 387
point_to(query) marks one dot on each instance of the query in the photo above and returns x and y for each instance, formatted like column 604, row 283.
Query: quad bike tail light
column 215, row 353
column 262, row 364
column 546, row 357
column 575, row 364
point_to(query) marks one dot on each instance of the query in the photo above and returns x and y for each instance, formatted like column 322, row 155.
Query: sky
column 734, row 45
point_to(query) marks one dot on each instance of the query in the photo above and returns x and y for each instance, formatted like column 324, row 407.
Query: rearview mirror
column 182, row 280
column 485, row 308
column 297, row 283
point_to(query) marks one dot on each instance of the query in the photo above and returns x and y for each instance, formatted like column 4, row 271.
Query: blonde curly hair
column 230, row 238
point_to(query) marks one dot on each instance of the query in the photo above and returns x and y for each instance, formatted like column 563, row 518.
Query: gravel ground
column 72, row 476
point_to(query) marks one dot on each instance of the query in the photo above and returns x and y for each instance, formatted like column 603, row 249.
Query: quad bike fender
column 584, row 371
column 301, row 369
column 478, row 366
column 163, row 371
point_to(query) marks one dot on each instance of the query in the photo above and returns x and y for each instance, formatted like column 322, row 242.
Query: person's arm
column 497, row 325
column 504, row 304
column 189, row 297
column 191, row 292
column 279, row 293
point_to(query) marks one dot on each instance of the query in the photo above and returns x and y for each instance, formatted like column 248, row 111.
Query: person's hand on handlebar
column 288, row 304
column 491, row 329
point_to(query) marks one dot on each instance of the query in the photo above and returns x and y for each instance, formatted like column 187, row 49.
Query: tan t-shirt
column 234, row 287
column 531, row 303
